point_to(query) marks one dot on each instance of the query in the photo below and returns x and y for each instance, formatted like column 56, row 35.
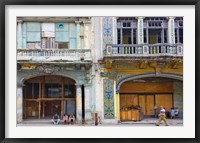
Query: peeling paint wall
column 178, row 96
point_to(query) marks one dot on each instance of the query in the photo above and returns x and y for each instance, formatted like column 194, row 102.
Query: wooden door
column 164, row 100
column 147, row 104
column 142, row 103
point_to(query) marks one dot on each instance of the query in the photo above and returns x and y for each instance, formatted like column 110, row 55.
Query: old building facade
column 104, row 65
column 54, row 61
column 142, row 65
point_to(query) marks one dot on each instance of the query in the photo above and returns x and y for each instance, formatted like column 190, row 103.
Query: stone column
column 87, row 102
column 78, row 103
column 171, row 33
column 19, row 103
column 19, row 34
column 140, row 34
column 78, row 33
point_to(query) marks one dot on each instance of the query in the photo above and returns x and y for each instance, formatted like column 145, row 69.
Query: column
column 178, row 38
column 39, row 103
column 117, row 111
column 115, row 30
column 147, row 32
column 78, row 34
column 132, row 42
column 78, row 103
column 42, row 95
column 86, row 32
column 171, row 33
column 63, row 96
column 147, row 35
column 25, row 102
column 43, row 109
column 39, row 108
column 19, row 34
column 162, row 36
column 19, row 103
column 87, row 102
column 140, row 34
column 43, row 87
column 24, row 35
column 121, row 35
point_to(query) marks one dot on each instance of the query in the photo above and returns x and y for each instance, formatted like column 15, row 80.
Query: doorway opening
column 47, row 95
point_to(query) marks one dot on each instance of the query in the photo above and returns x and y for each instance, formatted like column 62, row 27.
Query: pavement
column 144, row 122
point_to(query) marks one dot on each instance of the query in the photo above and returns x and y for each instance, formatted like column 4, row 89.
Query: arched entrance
column 46, row 95
column 143, row 97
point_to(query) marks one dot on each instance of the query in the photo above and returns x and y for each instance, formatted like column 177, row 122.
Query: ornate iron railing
column 53, row 54
column 143, row 49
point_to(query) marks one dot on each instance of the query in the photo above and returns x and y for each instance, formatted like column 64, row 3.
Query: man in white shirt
column 162, row 117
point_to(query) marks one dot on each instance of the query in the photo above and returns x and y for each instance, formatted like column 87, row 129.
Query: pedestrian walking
column 162, row 116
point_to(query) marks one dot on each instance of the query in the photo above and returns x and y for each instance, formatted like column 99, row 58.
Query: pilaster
column 19, row 103
column 78, row 102
column 19, row 34
column 140, row 33
column 24, row 35
column 171, row 34
column 78, row 34
column 87, row 102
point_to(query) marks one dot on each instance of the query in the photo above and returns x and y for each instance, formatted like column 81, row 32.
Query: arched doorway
column 146, row 95
column 46, row 95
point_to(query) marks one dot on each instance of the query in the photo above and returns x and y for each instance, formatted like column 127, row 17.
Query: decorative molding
column 48, row 69
column 108, row 74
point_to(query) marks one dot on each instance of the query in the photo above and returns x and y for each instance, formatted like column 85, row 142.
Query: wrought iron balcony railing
column 114, row 50
column 54, row 54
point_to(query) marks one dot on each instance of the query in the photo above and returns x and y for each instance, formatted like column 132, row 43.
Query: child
column 172, row 113
column 65, row 119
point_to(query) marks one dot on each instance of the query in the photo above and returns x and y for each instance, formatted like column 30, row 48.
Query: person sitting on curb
column 162, row 116
column 56, row 119
column 72, row 118
column 65, row 119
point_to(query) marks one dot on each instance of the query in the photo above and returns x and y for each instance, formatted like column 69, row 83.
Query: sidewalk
column 144, row 122
column 154, row 120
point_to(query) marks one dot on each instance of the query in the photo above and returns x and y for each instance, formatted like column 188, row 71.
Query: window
column 62, row 45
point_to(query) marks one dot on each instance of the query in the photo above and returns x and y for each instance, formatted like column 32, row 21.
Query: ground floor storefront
column 140, row 98
column 40, row 96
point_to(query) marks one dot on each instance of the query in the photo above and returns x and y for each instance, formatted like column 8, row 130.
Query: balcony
column 144, row 51
column 53, row 55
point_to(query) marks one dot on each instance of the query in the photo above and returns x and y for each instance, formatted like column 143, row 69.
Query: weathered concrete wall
column 178, row 96
column 19, row 104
